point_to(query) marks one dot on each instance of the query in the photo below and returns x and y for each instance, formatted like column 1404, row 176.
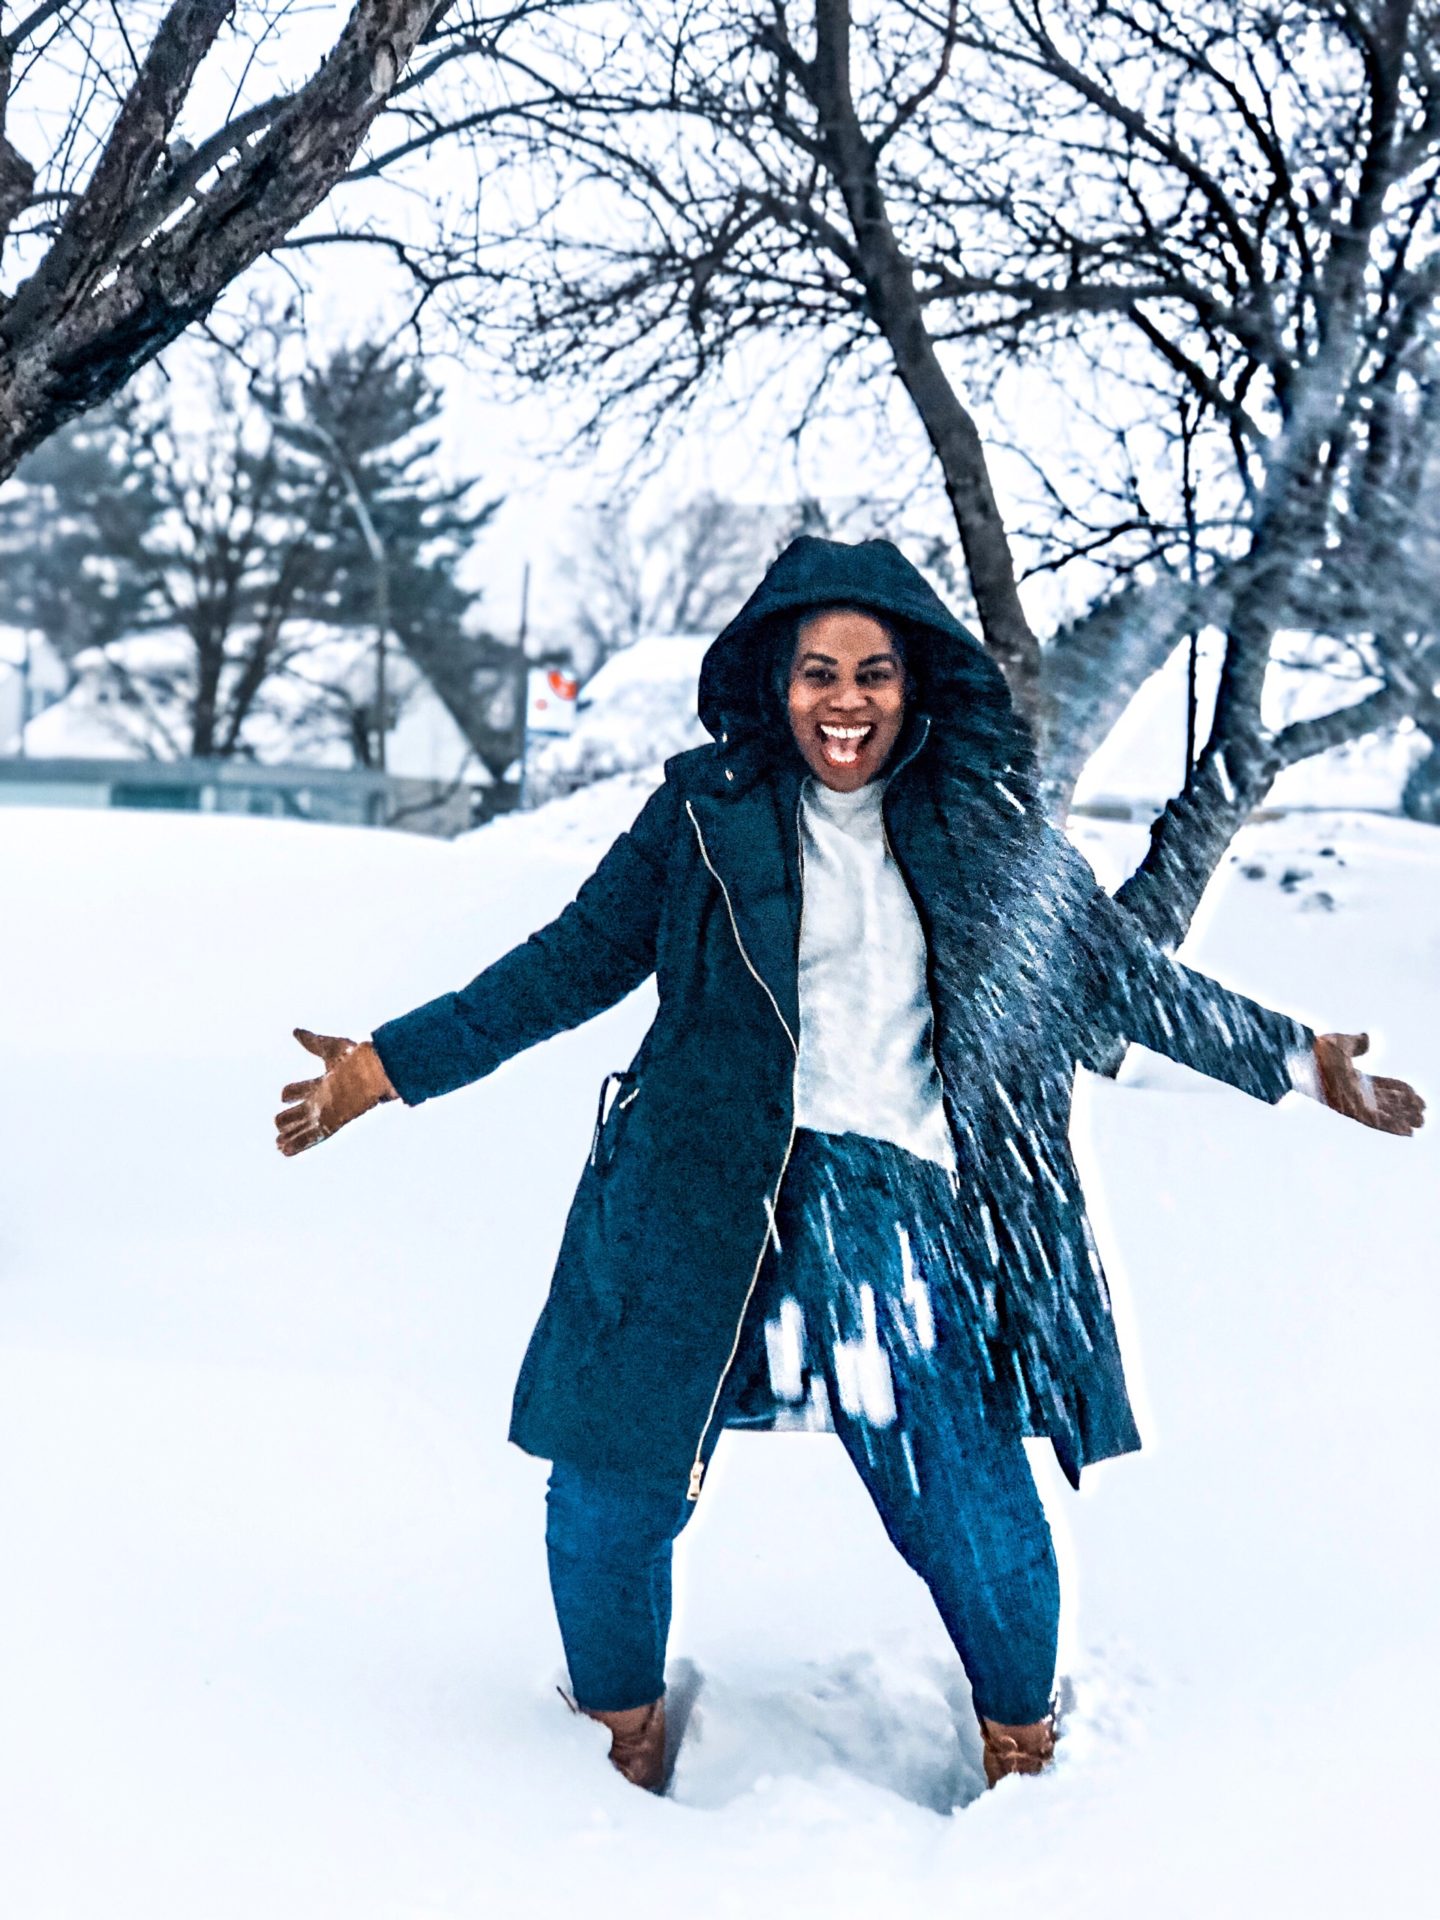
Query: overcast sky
column 518, row 446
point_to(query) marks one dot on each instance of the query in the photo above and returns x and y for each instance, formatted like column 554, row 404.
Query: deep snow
column 274, row 1633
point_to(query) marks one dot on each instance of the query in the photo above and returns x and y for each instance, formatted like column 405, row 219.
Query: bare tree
column 728, row 183
column 686, row 570
column 174, row 569
column 204, row 571
column 138, row 213
column 1238, row 207
column 1205, row 239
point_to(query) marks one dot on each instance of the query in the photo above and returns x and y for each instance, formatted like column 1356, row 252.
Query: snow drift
column 274, row 1633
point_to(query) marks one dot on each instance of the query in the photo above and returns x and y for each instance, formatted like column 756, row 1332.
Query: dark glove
column 353, row 1082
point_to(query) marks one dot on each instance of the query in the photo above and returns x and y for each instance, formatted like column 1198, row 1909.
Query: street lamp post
column 375, row 546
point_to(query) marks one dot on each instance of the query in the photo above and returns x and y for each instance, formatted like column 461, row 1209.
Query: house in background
column 32, row 677
column 117, row 736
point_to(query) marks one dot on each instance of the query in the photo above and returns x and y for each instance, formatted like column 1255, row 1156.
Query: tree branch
column 897, row 310
column 180, row 182
column 30, row 25
column 82, row 250
column 17, row 176
column 84, row 322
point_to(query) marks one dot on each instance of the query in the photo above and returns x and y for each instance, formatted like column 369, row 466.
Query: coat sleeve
column 601, row 947
column 1140, row 995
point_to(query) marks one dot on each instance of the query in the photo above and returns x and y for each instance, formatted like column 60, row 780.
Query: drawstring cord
column 602, row 1109
column 600, row 1116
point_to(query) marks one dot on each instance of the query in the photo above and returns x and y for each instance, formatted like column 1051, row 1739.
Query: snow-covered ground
column 274, row 1632
column 1142, row 761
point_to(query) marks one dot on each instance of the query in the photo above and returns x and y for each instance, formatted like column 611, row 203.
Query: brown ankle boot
column 637, row 1742
column 1017, row 1749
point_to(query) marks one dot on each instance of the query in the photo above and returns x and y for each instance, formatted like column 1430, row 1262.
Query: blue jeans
column 859, row 1307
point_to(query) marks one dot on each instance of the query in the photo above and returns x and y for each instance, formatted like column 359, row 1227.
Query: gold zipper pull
column 697, row 1474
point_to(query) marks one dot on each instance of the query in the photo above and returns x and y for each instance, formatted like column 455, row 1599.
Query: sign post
column 550, row 695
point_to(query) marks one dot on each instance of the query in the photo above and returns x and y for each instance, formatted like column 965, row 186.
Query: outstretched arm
column 1142, row 995
column 1133, row 992
column 1149, row 998
column 599, row 949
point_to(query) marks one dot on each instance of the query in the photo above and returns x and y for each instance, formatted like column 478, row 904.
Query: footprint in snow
column 906, row 1726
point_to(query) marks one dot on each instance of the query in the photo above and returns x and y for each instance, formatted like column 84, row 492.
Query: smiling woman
column 846, row 696
column 836, row 1188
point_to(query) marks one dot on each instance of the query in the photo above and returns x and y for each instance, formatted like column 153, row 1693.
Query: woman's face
column 847, row 697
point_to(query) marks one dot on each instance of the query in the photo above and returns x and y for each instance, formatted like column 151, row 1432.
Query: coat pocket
column 617, row 1094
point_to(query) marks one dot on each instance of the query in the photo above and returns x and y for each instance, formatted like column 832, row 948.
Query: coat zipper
column 697, row 1467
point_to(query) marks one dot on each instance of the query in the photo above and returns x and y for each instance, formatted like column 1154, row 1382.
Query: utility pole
column 524, row 688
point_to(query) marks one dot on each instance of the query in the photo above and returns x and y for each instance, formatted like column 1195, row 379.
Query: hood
column 961, row 690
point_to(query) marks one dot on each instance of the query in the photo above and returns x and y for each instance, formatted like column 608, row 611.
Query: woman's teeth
column 841, row 745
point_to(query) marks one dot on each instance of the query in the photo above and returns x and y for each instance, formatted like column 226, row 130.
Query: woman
column 834, row 1185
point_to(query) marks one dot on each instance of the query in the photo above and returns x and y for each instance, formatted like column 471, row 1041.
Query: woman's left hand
column 1391, row 1106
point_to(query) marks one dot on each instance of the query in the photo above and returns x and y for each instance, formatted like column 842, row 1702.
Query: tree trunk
column 1096, row 665
column 897, row 312
column 205, row 710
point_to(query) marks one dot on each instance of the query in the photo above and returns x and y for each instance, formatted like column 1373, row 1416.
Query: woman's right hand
column 353, row 1082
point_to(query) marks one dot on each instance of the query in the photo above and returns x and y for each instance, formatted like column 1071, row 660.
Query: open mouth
column 843, row 746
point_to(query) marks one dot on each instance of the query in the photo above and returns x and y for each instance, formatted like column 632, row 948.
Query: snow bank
column 274, row 1633
column 633, row 714
column 1142, row 762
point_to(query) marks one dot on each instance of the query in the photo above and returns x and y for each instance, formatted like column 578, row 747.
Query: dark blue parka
column 1032, row 968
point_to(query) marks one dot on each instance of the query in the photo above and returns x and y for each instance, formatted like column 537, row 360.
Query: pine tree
column 399, row 534
column 242, row 540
